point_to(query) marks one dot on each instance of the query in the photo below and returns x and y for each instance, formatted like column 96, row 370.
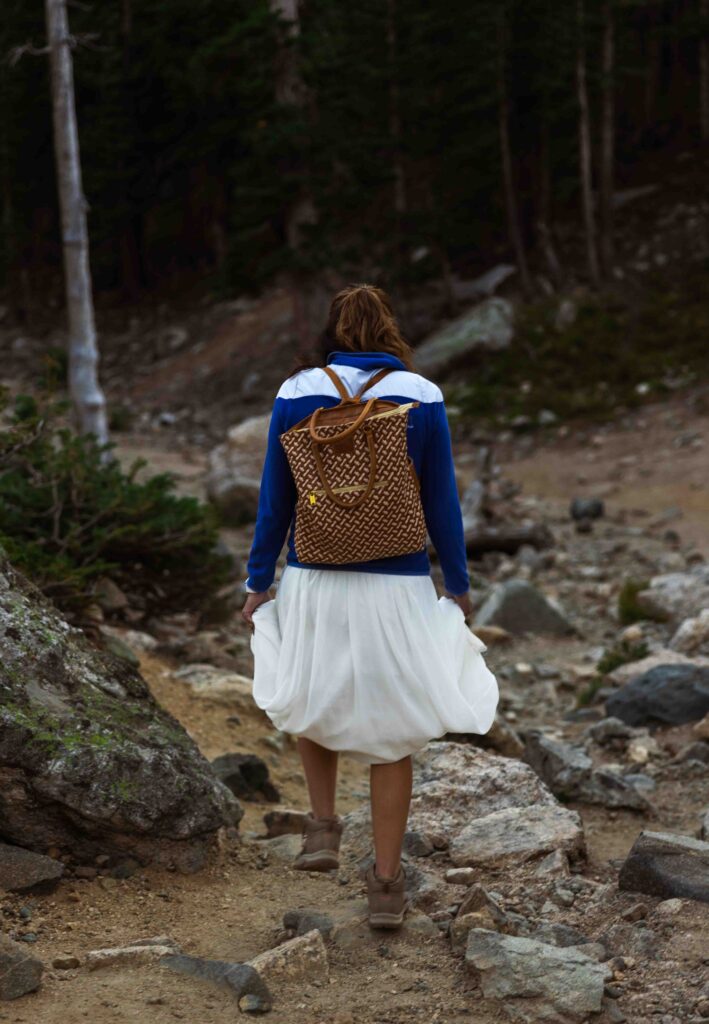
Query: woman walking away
column 356, row 654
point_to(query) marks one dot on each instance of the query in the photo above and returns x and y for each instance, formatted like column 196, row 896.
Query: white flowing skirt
column 369, row 664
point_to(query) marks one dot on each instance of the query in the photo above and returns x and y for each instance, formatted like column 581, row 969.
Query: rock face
column 488, row 326
column 89, row 761
column 674, row 694
column 538, row 982
column 569, row 773
column 21, row 870
column 677, row 595
column 234, row 473
column 19, row 972
column 667, row 865
column 518, row 607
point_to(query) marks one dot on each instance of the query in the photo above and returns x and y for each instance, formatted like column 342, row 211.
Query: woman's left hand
column 251, row 604
column 464, row 602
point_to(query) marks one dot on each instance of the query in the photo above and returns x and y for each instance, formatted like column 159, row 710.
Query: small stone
column 66, row 963
column 417, row 844
column 635, row 913
column 85, row 871
column 461, row 876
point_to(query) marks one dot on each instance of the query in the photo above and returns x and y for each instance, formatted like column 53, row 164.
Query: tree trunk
column 86, row 394
column 506, row 156
column 607, row 137
column 291, row 91
column 395, row 124
column 585, row 150
column 704, row 69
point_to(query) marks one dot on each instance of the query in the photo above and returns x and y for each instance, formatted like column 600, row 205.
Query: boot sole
column 386, row 920
column 322, row 861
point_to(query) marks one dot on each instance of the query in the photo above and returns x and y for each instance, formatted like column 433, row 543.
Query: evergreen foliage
column 191, row 162
column 69, row 515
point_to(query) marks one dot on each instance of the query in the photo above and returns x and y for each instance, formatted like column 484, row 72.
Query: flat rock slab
column 671, row 694
column 22, row 870
column 303, row 958
column 667, row 865
column 518, row 607
column 538, row 982
column 516, row 834
column 247, row 986
column 284, row 822
column 19, row 971
column 136, row 955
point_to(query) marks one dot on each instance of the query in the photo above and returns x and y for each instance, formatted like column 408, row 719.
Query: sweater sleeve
column 276, row 503
column 439, row 497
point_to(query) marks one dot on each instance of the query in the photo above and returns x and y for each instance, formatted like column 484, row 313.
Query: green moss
column 589, row 691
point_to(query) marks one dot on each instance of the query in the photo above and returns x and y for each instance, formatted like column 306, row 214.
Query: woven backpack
column 358, row 493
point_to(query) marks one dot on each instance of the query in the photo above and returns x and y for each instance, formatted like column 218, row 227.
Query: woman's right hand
column 251, row 604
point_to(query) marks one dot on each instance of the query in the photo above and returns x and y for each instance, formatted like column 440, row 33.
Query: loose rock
column 518, row 607
column 538, row 982
column 23, row 871
column 516, row 834
column 246, row 775
column 667, row 865
column 19, row 971
column 304, row 957
column 674, row 694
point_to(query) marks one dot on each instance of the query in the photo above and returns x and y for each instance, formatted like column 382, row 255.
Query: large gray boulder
column 488, row 326
column 673, row 694
column 537, row 982
column 234, row 474
column 89, row 761
column 518, row 607
column 458, row 788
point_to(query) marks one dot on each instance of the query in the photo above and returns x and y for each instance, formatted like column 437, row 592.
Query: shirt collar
column 366, row 360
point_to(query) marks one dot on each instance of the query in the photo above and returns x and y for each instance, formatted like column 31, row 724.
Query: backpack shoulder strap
column 337, row 381
column 379, row 375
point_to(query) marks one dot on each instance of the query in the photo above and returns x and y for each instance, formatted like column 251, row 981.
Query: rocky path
column 516, row 851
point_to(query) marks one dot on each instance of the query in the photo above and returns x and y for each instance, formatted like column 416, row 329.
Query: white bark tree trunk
column 585, row 151
column 86, row 394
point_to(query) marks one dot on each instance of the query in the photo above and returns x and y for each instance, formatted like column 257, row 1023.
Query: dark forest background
column 220, row 145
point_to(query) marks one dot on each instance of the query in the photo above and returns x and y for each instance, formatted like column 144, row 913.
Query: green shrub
column 629, row 611
column 621, row 654
column 70, row 513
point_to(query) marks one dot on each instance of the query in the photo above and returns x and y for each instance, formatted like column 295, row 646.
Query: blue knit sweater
column 429, row 444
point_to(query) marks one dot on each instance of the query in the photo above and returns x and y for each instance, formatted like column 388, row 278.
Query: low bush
column 69, row 513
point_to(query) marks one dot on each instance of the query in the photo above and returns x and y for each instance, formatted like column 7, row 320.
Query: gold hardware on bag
column 313, row 499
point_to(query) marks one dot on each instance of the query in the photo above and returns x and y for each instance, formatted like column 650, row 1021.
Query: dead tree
column 86, row 394
column 607, row 161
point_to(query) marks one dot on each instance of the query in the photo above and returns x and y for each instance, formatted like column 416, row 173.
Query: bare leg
column 320, row 766
column 390, row 792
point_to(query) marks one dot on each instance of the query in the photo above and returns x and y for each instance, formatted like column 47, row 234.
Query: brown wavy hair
column 361, row 319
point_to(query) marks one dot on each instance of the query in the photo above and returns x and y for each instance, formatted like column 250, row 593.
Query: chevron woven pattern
column 389, row 522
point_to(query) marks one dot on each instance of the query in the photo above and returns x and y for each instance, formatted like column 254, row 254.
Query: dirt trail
column 655, row 467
